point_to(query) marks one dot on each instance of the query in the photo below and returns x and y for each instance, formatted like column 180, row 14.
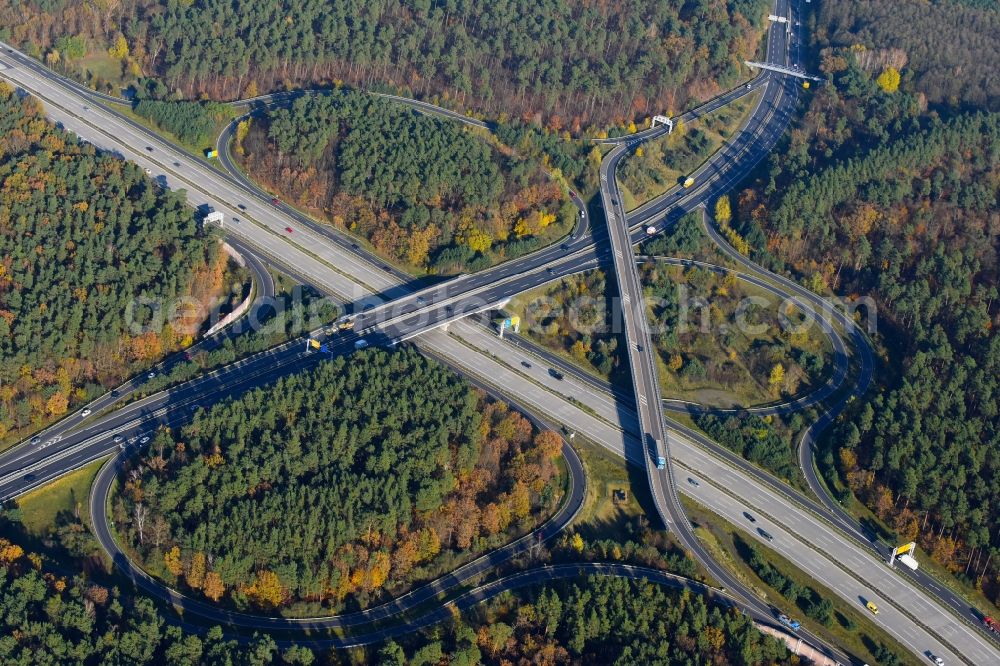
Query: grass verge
column 41, row 507
column 848, row 627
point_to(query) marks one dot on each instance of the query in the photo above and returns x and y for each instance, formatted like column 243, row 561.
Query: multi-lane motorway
column 333, row 264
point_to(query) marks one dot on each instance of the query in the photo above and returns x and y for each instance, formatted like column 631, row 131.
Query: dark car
column 241, row 206
column 275, row 200
column 749, row 516
column 149, row 148
column 525, row 364
column 289, row 229
column 555, row 373
column 765, row 534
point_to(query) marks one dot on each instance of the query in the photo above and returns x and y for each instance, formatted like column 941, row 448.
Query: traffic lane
column 242, row 370
column 855, row 559
column 420, row 318
column 177, row 408
column 737, row 157
column 821, row 569
column 307, row 254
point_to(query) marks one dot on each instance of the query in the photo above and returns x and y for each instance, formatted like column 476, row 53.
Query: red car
column 275, row 201
column 289, row 229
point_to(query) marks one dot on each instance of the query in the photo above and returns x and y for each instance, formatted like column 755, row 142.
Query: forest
column 345, row 483
column 948, row 47
column 49, row 617
column 557, row 63
column 84, row 236
column 422, row 190
column 596, row 621
column 880, row 195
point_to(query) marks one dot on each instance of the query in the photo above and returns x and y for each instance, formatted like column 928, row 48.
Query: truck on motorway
column 689, row 181
column 789, row 622
column 992, row 624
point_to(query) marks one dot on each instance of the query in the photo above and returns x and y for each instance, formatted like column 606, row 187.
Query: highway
column 310, row 254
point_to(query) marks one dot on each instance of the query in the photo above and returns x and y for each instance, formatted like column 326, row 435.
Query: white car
column 85, row 412
column 144, row 440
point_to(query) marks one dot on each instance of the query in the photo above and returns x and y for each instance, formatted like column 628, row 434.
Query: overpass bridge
column 782, row 69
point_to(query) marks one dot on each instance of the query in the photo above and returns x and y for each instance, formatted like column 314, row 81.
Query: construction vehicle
column 789, row 622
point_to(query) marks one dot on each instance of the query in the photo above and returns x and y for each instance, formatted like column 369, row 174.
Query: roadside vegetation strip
column 844, row 568
column 848, row 611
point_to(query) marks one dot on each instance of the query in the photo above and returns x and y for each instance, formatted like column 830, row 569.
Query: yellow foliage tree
column 195, row 576
column 251, row 90
column 520, row 500
column 172, row 560
column 737, row 241
column 57, row 403
column 777, row 378
column 213, row 587
column 675, row 362
column 378, row 569
column 242, row 129
column 420, row 244
column 267, row 589
column 478, row 240
column 9, row 552
column 639, row 152
column 723, row 211
column 889, row 80
column 119, row 50
column 632, row 129
column 576, row 542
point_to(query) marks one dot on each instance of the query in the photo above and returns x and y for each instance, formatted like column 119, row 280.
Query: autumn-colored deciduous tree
column 119, row 50
column 172, row 560
column 195, row 576
column 213, row 587
column 549, row 444
column 888, row 80
column 723, row 212
column 57, row 403
column 9, row 552
column 777, row 378
column 266, row 589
